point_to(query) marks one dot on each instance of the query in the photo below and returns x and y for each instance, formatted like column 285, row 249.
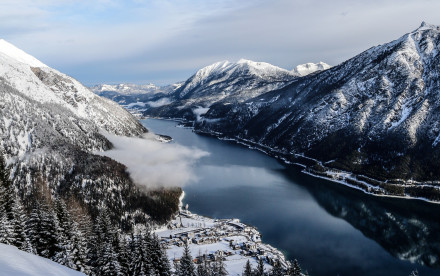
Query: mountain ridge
column 358, row 115
column 50, row 125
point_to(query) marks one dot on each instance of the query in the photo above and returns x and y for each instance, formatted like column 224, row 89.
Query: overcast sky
column 165, row 41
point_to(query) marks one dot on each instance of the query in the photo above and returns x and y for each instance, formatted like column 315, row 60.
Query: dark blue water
column 329, row 228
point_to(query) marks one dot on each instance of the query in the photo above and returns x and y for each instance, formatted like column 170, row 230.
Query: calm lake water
column 329, row 228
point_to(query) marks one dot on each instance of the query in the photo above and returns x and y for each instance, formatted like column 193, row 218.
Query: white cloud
column 152, row 163
column 160, row 102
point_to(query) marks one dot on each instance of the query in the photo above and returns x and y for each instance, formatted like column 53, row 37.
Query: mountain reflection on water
column 407, row 229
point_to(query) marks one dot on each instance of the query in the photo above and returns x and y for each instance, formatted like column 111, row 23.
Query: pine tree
column 65, row 246
column 7, row 200
column 221, row 267
column 121, row 250
column 277, row 270
column 247, row 269
column 203, row 269
column 21, row 241
column 158, row 257
column 6, row 229
column 80, row 250
column 105, row 259
column 139, row 262
column 295, row 269
column 132, row 250
column 260, row 268
column 42, row 231
column 186, row 267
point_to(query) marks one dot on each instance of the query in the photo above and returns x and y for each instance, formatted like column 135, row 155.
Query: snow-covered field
column 19, row 263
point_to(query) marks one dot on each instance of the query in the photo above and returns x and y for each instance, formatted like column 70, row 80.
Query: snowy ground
column 19, row 263
column 229, row 238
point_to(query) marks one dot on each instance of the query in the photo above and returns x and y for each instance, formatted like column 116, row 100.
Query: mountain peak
column 13, row 52
column 308, row 68
column 426, row 26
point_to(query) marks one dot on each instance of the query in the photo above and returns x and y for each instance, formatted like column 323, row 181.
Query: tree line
column 63, row 231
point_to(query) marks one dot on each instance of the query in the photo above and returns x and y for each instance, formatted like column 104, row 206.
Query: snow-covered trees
column 295, row 270
column 247, row 269
column 186, row 266
column 260, row 268
column 41, row 229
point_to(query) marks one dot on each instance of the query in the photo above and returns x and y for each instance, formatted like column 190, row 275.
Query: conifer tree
column 64, row 255
column 21, row 241
column 247, row 269
column 105, row 259
column 42, row 231
column 221, row 267
column 6, row 229
column 159, row 258
column 7, row 199
column 202, row 270
column 295, row 269
column 260, row 268
column 186, row 267
column 277, row 270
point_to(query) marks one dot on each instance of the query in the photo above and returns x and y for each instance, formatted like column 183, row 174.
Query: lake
column 331, row 229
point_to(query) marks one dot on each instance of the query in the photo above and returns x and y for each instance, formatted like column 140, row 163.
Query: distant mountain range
column 226, row 82
column 371, row 122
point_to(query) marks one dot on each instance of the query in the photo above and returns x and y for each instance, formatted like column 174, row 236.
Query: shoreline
column 172, row 232
column 213, row 239
column 328, row 173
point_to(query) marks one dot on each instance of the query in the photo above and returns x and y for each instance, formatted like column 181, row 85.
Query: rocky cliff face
column 375, row 115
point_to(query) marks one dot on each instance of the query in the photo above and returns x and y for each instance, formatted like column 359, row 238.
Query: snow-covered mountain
column 375, row 115
column 19, row 263
column 227, row 82
column 126, row 88
column 50, row 125
column 308, row 68
column 136, row 97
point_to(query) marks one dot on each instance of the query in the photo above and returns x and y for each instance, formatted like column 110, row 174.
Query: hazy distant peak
column 308, row 68
column 13, row 52
column 426, row 26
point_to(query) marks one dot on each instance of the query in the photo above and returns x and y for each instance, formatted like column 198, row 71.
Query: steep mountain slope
column 224, row 82
column 20, row 263
column 375, row 115
column 49, row 126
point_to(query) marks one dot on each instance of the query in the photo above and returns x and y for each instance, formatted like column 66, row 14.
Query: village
column 212, row 239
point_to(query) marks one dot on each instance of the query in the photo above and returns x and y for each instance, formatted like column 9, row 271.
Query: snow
column 19, row 263
column 40, row 83
column 199, row 111
column 127, row 88
column 10, row 50
column 224, row 231
column 425, row 26
column 308, row 68
column 223, row 70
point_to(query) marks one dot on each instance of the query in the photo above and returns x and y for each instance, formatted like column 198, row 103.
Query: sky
column 166, row 41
